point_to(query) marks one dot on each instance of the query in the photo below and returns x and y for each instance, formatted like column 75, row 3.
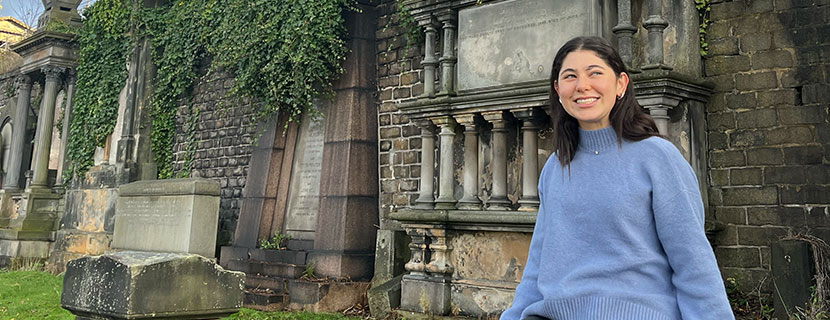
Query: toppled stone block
column 141, row 285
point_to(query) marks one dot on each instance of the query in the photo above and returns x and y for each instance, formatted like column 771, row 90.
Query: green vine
column 282, row 55
column 104, row 47
column 703, row 9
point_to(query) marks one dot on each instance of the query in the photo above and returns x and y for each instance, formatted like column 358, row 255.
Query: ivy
column 104, row 47
column 176, row 34
column 282, row 53
column 703, row 9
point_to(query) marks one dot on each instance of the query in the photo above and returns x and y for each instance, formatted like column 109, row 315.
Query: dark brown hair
column 627, row 116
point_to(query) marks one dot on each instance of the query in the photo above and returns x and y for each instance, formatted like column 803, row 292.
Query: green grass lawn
column 37, row 295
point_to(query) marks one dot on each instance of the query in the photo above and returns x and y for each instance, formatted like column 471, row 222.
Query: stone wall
column 400, row 78
column 218, row 139
column 769, row 136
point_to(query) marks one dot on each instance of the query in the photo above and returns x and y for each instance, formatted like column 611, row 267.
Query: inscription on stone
column 515, row 41
column 167, row 216
column 304, row 189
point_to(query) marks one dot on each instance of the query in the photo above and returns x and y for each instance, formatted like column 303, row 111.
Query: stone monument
column 165, row 234
column 28, row 213
column 177, row 215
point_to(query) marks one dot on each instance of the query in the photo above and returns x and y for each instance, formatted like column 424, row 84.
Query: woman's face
column 588, row 88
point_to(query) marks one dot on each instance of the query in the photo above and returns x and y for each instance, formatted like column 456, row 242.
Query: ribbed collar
column 593, row 141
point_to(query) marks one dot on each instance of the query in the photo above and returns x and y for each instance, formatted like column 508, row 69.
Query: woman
column 619, row 233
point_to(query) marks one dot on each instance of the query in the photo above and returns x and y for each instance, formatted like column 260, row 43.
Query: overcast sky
column 27, row 10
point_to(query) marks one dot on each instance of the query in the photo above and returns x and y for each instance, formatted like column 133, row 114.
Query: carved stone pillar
column 446, row 199
column 625, row 31
column 426, row 199
column 530, row 166
column 655, row 24
column 439, row 263
column 418, row 246
column 498, row 198
column 44, row 126
column 448, row 58
column 427, row 287
column 21, row 116
column 470, row 201
column 67, row 121
column 429, row 62
column 658, row 106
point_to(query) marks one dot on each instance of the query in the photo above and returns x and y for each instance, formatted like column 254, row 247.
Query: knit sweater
column 619, row 235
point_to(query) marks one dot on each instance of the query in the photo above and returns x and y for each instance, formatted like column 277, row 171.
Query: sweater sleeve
column 679, row 218
column 528, row 291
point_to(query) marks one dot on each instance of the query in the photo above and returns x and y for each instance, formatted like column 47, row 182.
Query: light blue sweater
column 620, row 236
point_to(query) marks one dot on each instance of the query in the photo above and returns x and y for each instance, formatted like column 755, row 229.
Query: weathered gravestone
column 139, row 285
column 179, row 215
column 514, row 42
column 173, row 224
column 304, row 191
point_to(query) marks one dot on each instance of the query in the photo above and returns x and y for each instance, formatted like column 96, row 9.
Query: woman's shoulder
column 656, row 147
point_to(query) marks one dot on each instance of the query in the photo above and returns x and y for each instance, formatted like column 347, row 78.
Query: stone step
column 4, row 222
column 259, row 282
column 13, row 234
column 240, row 253
column 284, row 256
column 265, row 301
column 276, row 269
column 33, row 224
column 300, row 245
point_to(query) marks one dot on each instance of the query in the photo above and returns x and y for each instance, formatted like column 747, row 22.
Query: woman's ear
column 556, row 86
column 622, row 84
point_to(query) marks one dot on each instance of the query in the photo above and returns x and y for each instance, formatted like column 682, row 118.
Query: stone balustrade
column 499, row 125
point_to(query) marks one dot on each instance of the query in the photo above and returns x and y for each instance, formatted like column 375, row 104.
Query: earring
column 560, row 101
column 621, row 96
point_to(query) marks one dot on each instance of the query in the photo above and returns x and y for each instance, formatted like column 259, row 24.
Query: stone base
column 74, row 244
column 384, row 298
column 425, row 294
column 325, row 296
column 24, row 248
column 143, row 285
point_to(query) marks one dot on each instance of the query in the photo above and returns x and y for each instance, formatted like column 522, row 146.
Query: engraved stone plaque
column 177, row 215
column 515, row 41
column 304, row 189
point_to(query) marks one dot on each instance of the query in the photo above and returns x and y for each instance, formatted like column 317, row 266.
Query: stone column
column 44, row 126
column 21, row 116
column 418, row 246
column 448, row 58
column 124, row 147
column 426, row 198
column 658, row 106
column 446, row 199
column 427, row 287
column 429, row 62
column 498, row 198
column 67, row 121
column 470, row 201
column 655, row 24
column 439, row 262
column 530, row 167
column 625, row 31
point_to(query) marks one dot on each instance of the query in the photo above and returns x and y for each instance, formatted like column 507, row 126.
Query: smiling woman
column 620, row 230
column 588, row 88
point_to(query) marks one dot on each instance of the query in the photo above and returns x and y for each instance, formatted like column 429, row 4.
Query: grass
column 31, row 295
column 37, row 295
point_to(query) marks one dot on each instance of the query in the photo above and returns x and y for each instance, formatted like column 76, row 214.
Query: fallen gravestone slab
column 142, row 285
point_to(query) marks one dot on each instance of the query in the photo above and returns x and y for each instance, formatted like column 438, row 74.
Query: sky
column 27, row 10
